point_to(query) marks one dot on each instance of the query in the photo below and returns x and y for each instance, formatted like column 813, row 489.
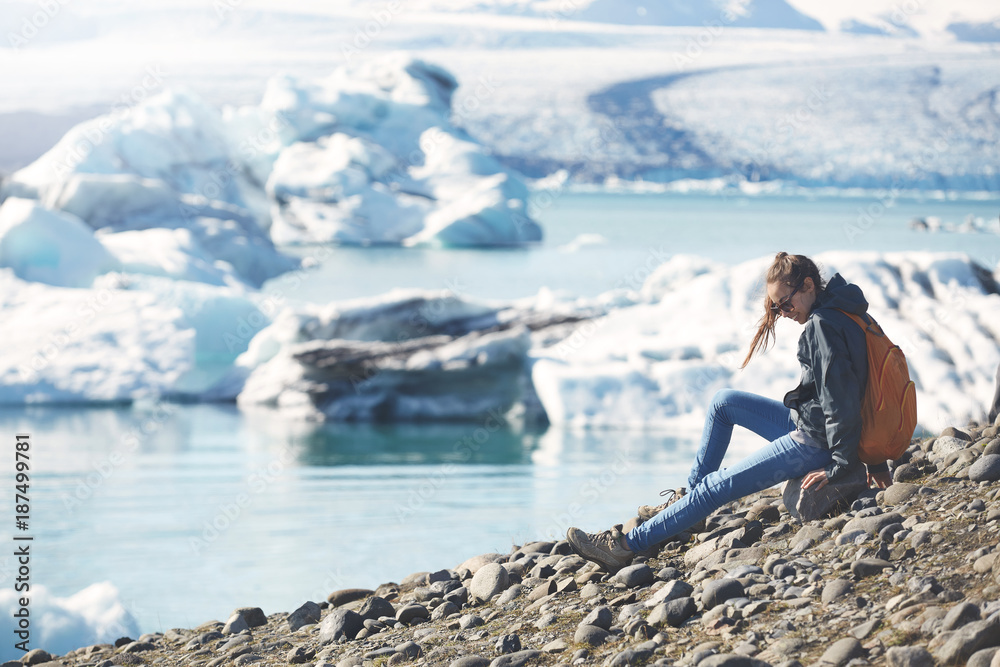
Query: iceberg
column 50, row 246
column 408, row 355
column 652, row 358
column 125, row 338
column 94, row 615
column 367, row 155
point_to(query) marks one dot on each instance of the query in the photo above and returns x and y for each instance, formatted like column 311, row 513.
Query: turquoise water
column 191, row 511
column 640, row 229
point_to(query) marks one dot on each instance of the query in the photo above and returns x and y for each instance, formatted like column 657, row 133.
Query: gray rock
column 516, row 659
column 510, row 594
column 731, row 660
column 983, row 658
column 299, row 655
column 631, row 656
column 945, row 445
column 909, row 656
column 375, row 608
column 340, row 623
column 410, row 649
column 470, row 621
column 959, row 615
column 139, row 647
column 35, row 656
column 235, row 625
column 842, row 652
column 952, row 432
column 835, row 590
column 811, row 504
column 601, row 617
column 508, row 644
column 347, row 595
column 591, row 635
column 635, row 576
column 899, row 493
column 254, row 616
column 470, row 661
column 410, row 613
column 905, row 473
column 673, row 613
column 307, row 614
column 992, row 447
column 873, row 524
column 444, row 610
column 717, row 591
column 967, row 640
column 489, row 580
column 985, row 469
column 868, row 567
column 672, row 591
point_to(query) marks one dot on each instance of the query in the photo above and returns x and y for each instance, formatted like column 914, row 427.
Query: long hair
column 790, row 270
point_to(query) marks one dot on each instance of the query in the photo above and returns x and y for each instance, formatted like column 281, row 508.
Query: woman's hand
column 880, row 480
column 816, row 478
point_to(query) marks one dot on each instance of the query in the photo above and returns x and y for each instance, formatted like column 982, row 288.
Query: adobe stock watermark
column 95, row 132
column 228, row 513
column 52, row 345
column 709, row 33
column 589, row 493
column 871, row 215
column 465, row 448
column 378, row 20
column 33, row 25
column 419, row 324
column 785, row 129
column 128, row 443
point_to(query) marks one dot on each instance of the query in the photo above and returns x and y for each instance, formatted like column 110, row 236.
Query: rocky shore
column 909, row 576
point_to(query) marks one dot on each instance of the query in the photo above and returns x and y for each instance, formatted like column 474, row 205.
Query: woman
column 813, row 433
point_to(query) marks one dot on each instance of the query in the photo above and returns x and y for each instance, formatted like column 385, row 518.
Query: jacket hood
column 841, row 294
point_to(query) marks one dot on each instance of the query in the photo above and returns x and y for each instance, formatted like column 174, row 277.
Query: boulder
column 814, row 504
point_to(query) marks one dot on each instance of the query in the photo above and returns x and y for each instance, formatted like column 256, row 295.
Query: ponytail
column 790, row 270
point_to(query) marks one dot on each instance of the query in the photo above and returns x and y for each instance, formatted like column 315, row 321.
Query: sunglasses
column 785, row 305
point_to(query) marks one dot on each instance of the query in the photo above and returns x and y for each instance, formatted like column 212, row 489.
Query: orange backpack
column 889, row 408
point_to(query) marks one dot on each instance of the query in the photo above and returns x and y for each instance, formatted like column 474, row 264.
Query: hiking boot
column 603, row 548
column 647, row 512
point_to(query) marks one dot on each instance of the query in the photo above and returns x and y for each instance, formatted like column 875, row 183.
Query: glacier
column 650, row 358
column 367, row 155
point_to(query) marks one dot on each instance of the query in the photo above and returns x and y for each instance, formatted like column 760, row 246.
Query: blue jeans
column 710, row 487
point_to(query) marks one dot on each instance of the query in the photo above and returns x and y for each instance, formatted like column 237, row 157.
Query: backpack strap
column 865, row 321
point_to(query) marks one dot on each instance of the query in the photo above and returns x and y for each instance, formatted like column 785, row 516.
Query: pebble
column 375, row 608
column 470, row 661
column 635, row 576
column 307, row 614
column 899, row 493
column 591, row 634
column 347, row 595
column 718, row 591
column 515, row 659
column 491, row 579
column 254, row 616
column 601, row 617
column 412, row 612
column 340, row 623
column 959, row 615
column 909, row 656
column 835, row 590
column 984, row 657
column 867, row 567
column 842, row 652
column 673, row 613
column 985, row 469
column 235, row 625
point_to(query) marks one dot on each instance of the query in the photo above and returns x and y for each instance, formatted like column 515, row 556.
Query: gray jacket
column 834, row 358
